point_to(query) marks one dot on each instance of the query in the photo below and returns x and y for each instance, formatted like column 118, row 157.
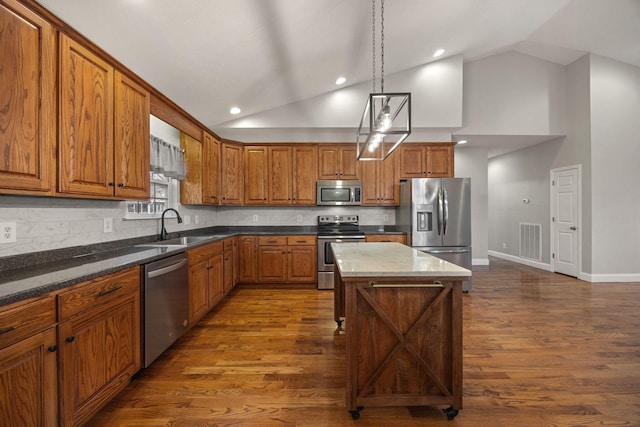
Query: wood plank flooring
column 540, row 349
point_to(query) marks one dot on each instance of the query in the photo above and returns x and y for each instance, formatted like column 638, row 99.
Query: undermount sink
column 177, row 241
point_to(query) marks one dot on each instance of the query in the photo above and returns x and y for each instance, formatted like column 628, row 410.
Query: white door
column 565, row 208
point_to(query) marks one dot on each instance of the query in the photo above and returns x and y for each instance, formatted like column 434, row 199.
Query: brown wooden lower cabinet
column 248, row 259
column 287, row 259
column 98, row 342
column 206, row 285
column 400, row 238
column 28, row 358
column 230, row 263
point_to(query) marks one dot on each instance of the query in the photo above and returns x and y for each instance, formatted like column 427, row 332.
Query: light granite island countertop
column 403, row 315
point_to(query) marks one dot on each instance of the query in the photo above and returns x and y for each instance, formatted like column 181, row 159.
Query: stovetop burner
column 338, row 225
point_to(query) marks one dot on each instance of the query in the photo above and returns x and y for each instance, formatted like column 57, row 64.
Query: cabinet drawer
column 400, row 238
column 23, row 320
column 272, row 240
column 301, row 240
column 229, row 243
column 204, row 252
column 102, row 290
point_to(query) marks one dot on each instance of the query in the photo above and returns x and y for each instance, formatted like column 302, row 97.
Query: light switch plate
column 108, row 225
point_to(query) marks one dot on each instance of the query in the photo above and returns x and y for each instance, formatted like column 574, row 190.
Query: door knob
column 573, row 228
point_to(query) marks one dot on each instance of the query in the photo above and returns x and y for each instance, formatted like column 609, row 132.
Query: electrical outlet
column 196, row 219
column 385, row 217
column 187, row 219
column 504, row 246
column 299, row 218
column 108, row 225
column 7, row 232
column 255, row 218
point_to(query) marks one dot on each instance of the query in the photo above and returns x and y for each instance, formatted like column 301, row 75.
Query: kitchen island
column 402, row 310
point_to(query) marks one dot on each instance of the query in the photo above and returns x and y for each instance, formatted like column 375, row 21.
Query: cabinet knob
column 112, row 184
column 52, row 348
column 121, row 185
column 70, row 339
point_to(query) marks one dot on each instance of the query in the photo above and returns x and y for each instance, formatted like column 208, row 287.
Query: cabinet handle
column 121, row 185
column 52, row 348
column 112, row 184
column 70, row 339
column 108, row 291
column 5, row 330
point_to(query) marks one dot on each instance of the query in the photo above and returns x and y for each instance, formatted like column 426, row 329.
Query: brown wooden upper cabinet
column 231, row 175
column 337, row 161
column 191, row 191
column 255, row 175
column 431, row 160
column 380, row 182
column 292, row 175
column 210, row 170
column 97, row 155
column 27, row 101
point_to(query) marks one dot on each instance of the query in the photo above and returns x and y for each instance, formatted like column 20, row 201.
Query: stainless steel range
column 334, row 228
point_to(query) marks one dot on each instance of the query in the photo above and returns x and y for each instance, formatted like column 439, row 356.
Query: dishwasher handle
column 164, row 270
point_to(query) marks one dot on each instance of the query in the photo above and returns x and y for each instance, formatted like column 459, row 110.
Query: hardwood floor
column 540, row 349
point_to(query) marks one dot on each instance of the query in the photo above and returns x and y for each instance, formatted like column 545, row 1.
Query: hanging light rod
column 386, row 120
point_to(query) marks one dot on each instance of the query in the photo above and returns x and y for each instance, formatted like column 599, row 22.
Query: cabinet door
column 305, row 175
column 348, row 162
column 369, row 172
column 302, row 264
column 328, row 160
column 412, row 161
column 211, row 170
column 231, row 174
column 255, row 175
column 191, row 186
column 99, row 351
column 27, row 100
column 216, row 280
column 248, row 260
column 280, row 168
column 272, row 264
column 389, row 183
column 85, row 148
column 132, row 146
column 28, row 383
column 198, row 290
column 439, row 160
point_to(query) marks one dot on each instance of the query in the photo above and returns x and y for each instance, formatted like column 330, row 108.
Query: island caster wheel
column 450, row 412
column 356, row 414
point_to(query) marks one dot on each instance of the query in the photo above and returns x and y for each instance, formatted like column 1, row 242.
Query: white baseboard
column 540, row 265
column 608, row 278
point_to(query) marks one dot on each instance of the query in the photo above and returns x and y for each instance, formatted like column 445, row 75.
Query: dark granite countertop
column 29, row 275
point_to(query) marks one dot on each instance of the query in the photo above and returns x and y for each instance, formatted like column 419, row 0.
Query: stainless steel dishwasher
column 166, row 304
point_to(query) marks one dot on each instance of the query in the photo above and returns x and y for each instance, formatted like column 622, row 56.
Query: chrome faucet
column 163, row 230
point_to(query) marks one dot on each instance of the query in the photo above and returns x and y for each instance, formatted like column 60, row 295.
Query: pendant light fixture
column 386, row 120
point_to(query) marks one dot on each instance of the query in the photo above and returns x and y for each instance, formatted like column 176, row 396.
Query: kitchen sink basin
column 177, row 241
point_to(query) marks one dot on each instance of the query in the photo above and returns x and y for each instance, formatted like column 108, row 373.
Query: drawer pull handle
column 52, row 348
column 70, row 339
column 108, row 291
column 5, row 330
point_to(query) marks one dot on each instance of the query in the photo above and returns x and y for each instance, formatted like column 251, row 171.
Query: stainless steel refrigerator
column 435, row 213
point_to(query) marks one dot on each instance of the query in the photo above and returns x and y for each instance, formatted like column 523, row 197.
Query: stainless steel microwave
column 339, row 192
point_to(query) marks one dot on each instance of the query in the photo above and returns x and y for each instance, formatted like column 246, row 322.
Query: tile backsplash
column 46, row 223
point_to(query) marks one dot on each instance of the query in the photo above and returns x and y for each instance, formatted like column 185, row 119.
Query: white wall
column 514, row 94
column 615, row 147
column 473, row 163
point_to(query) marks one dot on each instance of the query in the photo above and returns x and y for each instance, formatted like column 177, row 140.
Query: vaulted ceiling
column 210, row 55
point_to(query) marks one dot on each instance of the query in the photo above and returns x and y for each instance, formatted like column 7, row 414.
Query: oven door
column 325, row 258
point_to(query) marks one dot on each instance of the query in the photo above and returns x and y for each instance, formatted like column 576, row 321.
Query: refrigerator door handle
column 445, row 216
column 440, row 211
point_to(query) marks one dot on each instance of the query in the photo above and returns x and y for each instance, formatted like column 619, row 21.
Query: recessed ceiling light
column 462, row 141
column 235, row 110
column 340, row 80
column 438, row 53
